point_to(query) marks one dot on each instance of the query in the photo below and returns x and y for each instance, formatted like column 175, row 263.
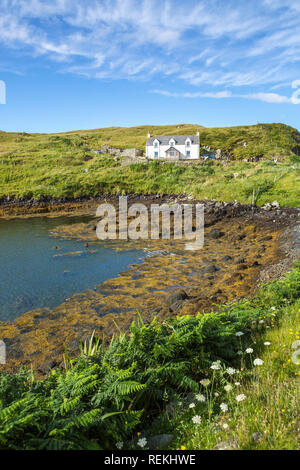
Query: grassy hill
column 59, row 165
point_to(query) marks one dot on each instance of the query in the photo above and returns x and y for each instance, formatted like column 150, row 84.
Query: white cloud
column 296, row 84
column 207, row 43
column 219, row 94
column 268, row 97
column 265, row 97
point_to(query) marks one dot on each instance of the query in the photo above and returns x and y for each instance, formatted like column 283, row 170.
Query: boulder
column 231, row 444
column 211, row 268
column 215, row 233
column 176, row 297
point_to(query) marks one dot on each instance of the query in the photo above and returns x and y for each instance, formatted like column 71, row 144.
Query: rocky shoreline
column 244, row 245
column 52, row 207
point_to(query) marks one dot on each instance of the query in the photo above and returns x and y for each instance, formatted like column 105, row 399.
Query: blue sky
column 79, row 64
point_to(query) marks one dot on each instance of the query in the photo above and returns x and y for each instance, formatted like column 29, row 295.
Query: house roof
column 172, row 149
column 179, row 139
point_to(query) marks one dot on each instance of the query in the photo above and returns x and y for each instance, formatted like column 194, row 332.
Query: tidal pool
column 38, row 271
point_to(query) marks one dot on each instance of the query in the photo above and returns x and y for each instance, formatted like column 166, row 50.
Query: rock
column 215, row 233
column 176, row 297
column 266, row 238
column 176, row 306
column 267, row 207
column 256, row 437
column 226, row 258
column 218, row 154
column 231, row 444
column 275, row 204
column 240, row 261
column 212, row 268
column 51, row 364
column 241, row 267
column 161, row 441
column 25, row 330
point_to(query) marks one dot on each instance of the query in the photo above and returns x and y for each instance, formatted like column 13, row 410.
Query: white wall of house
column 187, row 152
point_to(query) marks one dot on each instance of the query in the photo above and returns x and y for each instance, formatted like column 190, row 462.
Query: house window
column 172, row 154
column 188, row 144
column 156, row 154
column 188, row 153
column 155, row 144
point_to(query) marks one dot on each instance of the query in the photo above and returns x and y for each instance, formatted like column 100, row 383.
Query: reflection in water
column 38, row 271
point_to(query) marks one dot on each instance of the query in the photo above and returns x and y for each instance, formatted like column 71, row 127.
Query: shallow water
column 39, row 271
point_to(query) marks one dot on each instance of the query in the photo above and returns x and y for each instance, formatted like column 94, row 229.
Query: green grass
column 268, row 418
column 112, row 393
column 54, row 165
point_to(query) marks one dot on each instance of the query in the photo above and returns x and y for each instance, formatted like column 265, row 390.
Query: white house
column 175, row 147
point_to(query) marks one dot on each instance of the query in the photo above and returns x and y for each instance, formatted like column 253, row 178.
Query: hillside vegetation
column 61, row 166
column 120, row 395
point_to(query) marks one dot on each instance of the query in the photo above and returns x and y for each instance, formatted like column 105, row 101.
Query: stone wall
column 128, row 153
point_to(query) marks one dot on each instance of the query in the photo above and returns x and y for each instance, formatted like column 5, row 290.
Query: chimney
column 149, row 135
column 197, row 133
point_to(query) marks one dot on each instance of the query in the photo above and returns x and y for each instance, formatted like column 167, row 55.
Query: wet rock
column 212, row 268
column 227, row 258
column 161, row 441
column 256, row 263
column 240, row 237
column 176, row 297
column 215, row 233
column 266, row 238
column 15, row 352
column 176, row 306
column 25, row 330
column 241, row 267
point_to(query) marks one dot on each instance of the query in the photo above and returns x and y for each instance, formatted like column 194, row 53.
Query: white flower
column 230, row 370
column 261, row 321
column 200, row 398
column 119, row 445
column 192, row 405
column 225, row 426
column 239, row 353
column 216, row 365
column 228, row 387
column 142, row 442
column 239, row 333
column 273, row 308
column 240, row 397
column 196, row 419
column 224, row 407
column 205, row 382
column 258, row 362
column 296, row 344
column 237, row 383
column 216, row 394
column 267, row 343
column 249, row 350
